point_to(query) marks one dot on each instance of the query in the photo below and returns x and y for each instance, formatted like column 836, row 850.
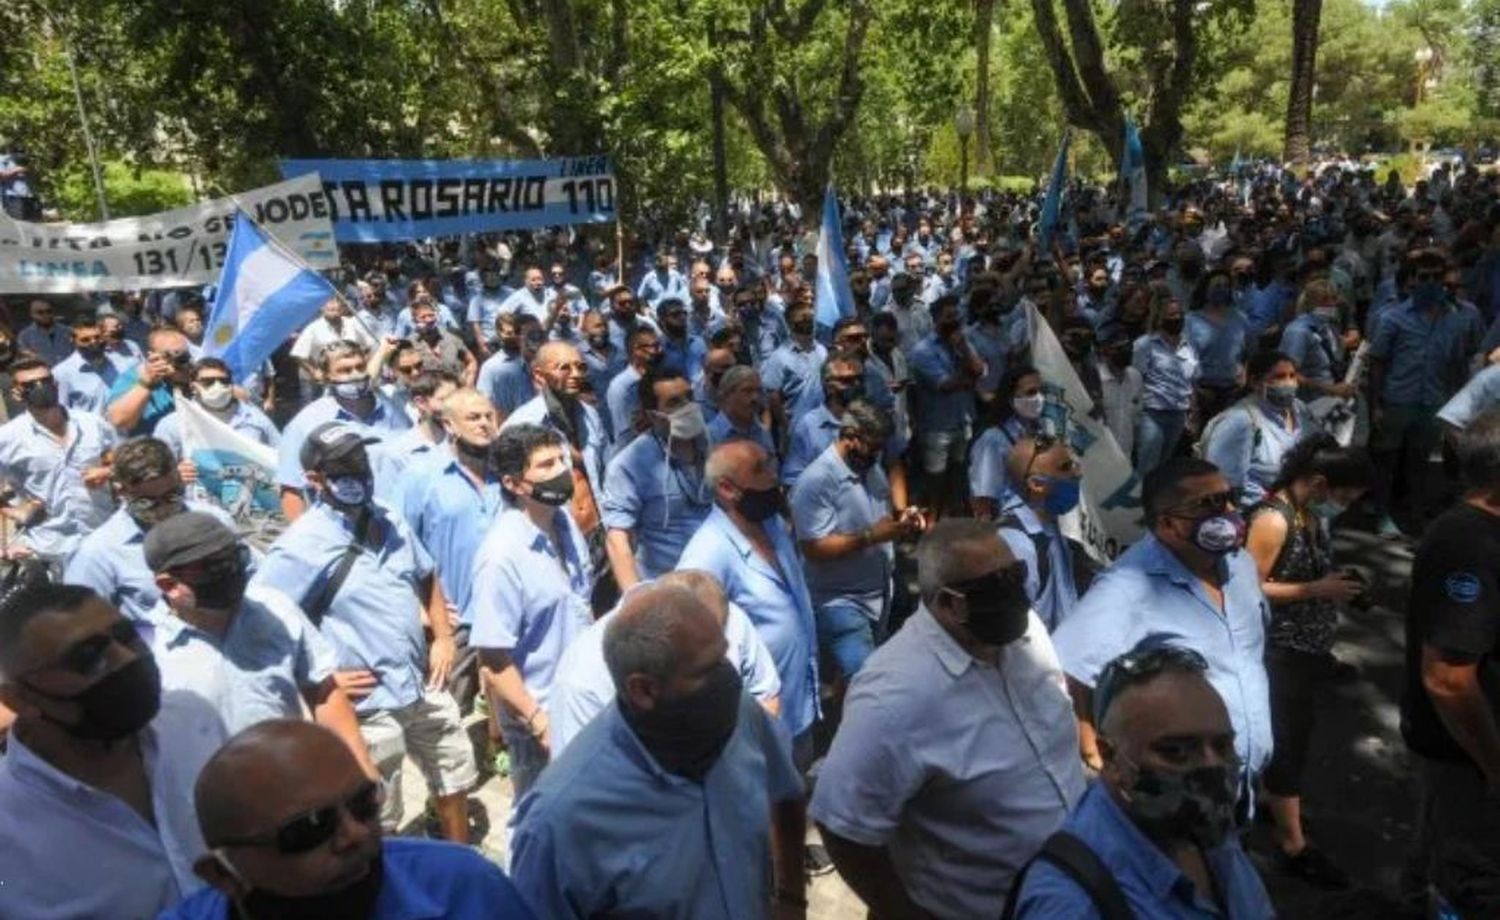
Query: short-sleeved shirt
column 602, row 367
column 658, row 285
column 1454, row 607
column 39, row 466
column 587, row 424
column 55, row 829
column 1250, row 441
column 52, row 344
column 776, row 599
column 1221, row 347
column 659, row 501
column 158, row 406
column 450, row 514
column 606, row 832
column 484, row 308
column 683, row 356
column 932, row 364
column 1426, row 355
column 793, row 371
column 260, row 669
column 765, row 331
column 721, row 430
column 988, row 457
column 421, row 878
column 527, row 598
column 384, row 421
column 506, row 380
column 994, row 345
column 522, row 302
column 83, row 386
column 1027, row 535
column 812, row 432
column 960, row 768
column 1168, row 373
column 374, row 622
column 1480, row 393
column 1152, row 883
column 583, row 687
column 622, row 401
column 320, row 333
column 1314, row 346
column 831, row 499
column 1149, row 592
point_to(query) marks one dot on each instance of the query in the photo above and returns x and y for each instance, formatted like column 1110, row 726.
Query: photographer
column 16, row 194
column 1288, row 540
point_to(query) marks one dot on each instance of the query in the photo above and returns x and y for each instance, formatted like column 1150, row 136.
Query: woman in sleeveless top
column 1288, row 540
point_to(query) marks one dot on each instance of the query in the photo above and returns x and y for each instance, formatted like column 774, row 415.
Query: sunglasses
column 89, row 658
column 409, row 369
column 1139, row 665
column 1208, row 504
column 314, row 828
column 1011, row 576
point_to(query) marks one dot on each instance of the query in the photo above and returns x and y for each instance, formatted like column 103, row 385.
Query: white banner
column 1108, row 517
column 235, row 472
column 170, row 249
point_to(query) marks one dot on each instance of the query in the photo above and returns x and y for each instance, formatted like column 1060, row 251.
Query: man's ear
column 641, row 692
column 209, row 868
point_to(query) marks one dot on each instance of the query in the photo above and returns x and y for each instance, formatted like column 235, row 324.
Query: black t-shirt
column 1455, row 607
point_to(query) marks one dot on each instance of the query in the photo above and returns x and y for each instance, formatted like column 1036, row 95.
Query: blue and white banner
column 833, row 296
column 265, row 294
column 387, row 200
column 234, row 471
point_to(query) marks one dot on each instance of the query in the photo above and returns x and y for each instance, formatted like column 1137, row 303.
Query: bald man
column 293, row 829
column 1160, row 819
column 1048, row 479
column 143, row 395
column 747, row 545
column 560, row 375
column 686, row 776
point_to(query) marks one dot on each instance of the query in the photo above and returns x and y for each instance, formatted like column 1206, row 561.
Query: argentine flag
column 833, row 296
column 1052, row 204
column 265, row 294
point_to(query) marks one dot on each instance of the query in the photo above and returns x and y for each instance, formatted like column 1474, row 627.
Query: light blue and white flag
column 235, row 472
column 1134, row 169
column 1052, row 205
column 265, row 293
column 834, row 297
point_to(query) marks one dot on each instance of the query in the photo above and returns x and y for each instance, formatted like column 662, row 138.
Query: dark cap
column 331, row 441
column 185, row 538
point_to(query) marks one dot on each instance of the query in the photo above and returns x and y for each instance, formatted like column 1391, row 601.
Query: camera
column 1362, row 600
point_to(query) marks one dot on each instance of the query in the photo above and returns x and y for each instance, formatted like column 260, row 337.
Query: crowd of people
column 711, row 566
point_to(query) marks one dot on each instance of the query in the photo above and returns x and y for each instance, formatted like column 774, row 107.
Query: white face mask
column 1029, row 407
column 687, row 423
column 215, row 395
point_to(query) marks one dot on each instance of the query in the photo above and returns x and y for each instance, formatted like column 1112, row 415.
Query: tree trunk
column 721, row 156
column 1299, row 103
column 984, row 27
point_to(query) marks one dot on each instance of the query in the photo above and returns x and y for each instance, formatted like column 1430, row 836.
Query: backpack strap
column 1040, row 542
column 340, row 573
column 1080, row 863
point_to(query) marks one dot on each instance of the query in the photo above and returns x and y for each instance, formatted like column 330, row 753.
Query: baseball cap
column 331, row 441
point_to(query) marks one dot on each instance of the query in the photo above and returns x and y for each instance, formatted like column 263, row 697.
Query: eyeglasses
column 1207, row 504
column 1138, row 665
column 313, row 829
column 89, row 658
column 409, row 369
column 1011, row 576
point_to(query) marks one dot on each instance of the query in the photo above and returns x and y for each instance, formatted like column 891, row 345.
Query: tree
column 984, row 30
column 1305, row 17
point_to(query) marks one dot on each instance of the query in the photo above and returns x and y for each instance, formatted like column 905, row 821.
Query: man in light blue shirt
column 662, row 282
column 583, row 688
column 764, row 323
column 505, row 377
column 44, row 336
column 485, row 307
column 741, row 403
column 682, row 351
column 559, row 373
column 1189, row 581
column 85, row 377
column 704, row 802
column 945, row 369
column 643, row 350
column 1048, row 480
column 531, row 299
column 790, row 374
column 655, row 497
column 746, row 545
column 604, row 358
column 122, row 841
column 531, row 584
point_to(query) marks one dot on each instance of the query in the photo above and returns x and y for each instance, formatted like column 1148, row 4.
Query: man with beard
column 700, row 786
column 292, row 830
column 56, row 462
column 682, row 351
column 350, row 398
column 95, row 816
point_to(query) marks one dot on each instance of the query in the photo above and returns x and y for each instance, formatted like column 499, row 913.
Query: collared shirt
column 51, row 344
column 721, row 431
column 811, row 434
column 1122, row 395
column 880, row 375
column 399, row 461
column 995, row 345
column 523, row 302
column 959, row 767
column 792, row 371
column 1221, row 347
column 606, row 832
column 42, row 467
column 527, row 598
column 1251, row 439
column 913, row 323
column 374, row 622
column 84, row 386
column 988, row 456
column 320, row 333
column 587, row 424
column 158, row 406
column 932, row 364
column 73, row 851
column 1426, row 355
column 450, row 514
column 830, row 499
column 1167, row 373
column 112, row 562
column 583, row 687
column 506, row 380
column 658, row 499
column 684, row 356
column 384, row 421
column 1264, row 306
column 775, row 596
column 421, row 880
column 602, row 367
column 1152, row 884
column 484, row 308
column 623, row 400
column 1480, row 393
column 1054, row 599
column 765, row 331
column 1149, row 592
column 658, row 285
column 245, row 418
column 1313, row 346
column 259, row 670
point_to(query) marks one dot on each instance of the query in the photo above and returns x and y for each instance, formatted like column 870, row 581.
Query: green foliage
column 131, row 190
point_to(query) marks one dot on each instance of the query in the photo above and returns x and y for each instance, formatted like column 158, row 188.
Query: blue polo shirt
column 830, row 499
column 1168, row 373
column 158, row 405
column 375, row 620
column 421, row 880
column 384, row 421
column 775, row 597
column 933, row 363
column 450, row 514
column 1426, row 354
column 84, row 386
column 1313, row 345
column 1153, row 885
column 1221, row 347
column 587, row 423
column 660, row 501
column 1149, row 592
column 506, row 380
column 793, row 371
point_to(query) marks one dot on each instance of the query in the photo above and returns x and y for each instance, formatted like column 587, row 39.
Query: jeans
column 1156, row 437
column 845, row 634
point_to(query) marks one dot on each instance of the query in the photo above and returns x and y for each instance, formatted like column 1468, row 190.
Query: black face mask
column 118, row 705
column 600, row 341
column 803, row 327
column 759, row 504
column 40, row 395
column 861, row 461
column 687, row 735
column 1172, row 326
column 999, row 610
column 356, row 902
column 91, row 352
column 479, row 453
column 557, row 491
